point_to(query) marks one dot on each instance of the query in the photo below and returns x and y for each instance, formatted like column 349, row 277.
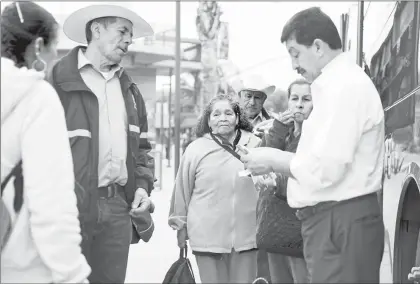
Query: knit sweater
column 215, row 204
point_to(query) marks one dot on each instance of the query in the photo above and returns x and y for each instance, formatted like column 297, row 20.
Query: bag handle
column 183, row 255
column 183, row 252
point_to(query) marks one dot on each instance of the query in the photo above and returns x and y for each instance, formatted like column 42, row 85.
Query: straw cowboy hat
column 254, row 83
column 75, row 25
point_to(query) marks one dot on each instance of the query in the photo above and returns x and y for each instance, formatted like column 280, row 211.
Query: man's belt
column 306, row 212
column 111, row 190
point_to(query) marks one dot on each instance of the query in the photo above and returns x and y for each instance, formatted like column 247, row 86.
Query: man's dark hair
column 17, row 36
column 296, row 82
column 203, row 122
column 105, row 21
column 311, row 24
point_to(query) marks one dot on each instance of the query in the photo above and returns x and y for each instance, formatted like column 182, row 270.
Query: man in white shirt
column 337, row 169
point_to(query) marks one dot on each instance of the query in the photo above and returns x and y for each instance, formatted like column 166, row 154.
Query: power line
column 397, row 102
column 367, row 10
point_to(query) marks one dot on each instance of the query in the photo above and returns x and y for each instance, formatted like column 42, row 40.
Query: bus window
column 416, row 146
column 398, row 117
column 416, row 141
column 418, row 57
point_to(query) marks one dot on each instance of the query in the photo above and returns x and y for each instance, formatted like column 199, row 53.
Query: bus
column 386, row 36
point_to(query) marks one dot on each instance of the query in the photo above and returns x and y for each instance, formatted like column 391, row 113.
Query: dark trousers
column 343, row 242
column 106, row 248
column 287, row 269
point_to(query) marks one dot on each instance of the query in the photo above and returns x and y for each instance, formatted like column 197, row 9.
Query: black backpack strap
column 18, row 184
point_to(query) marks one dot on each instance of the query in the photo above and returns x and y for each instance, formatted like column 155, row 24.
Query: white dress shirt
column 112, row 121
column 341, row 150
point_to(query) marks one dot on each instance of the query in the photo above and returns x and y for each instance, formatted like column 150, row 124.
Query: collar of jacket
column 68, row 77
column 265, row 113
column 246, row 138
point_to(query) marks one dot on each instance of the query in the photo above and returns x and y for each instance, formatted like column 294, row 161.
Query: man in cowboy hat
column 107, row 126
column 253, row 91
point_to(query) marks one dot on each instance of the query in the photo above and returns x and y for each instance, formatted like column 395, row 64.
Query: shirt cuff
column 142, row 183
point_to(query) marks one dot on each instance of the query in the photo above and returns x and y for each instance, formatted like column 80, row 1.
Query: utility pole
column 361, row 10
column 178, row 86
column 168, row 154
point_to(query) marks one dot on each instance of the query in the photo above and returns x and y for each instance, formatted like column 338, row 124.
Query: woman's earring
column 39, row 60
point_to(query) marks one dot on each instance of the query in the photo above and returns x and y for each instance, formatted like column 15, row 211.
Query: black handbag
column 278, row 228
column 181, row 270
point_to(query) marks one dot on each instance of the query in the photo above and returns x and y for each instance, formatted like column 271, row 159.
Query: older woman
column 278, row 229
column 212, row 205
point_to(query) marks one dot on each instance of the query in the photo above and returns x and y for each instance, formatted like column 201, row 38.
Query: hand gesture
column 263, row 126
column 141, row 203
column 182, row 237
column 286, row 117
column 414, row 275
column 255, row 160
column 394, row 158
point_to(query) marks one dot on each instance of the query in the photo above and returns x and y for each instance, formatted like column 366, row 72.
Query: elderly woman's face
column 223, row 119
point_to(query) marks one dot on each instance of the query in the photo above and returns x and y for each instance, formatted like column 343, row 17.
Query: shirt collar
column 83, row 61
column 259, row 116
column 333, row 67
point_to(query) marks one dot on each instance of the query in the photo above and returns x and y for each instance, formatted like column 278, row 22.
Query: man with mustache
column 337, row 169
column 107, row 126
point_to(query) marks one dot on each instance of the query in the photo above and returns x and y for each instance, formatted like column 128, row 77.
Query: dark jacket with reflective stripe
column 82, row 113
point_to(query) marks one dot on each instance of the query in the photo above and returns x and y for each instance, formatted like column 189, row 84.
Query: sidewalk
column 149, row 262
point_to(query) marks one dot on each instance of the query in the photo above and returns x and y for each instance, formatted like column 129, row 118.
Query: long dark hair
column 203, row 122
column 16, row 36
